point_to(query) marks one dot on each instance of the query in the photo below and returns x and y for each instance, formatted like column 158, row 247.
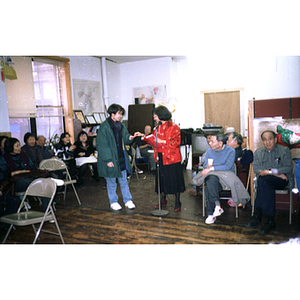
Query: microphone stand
column 160, row 212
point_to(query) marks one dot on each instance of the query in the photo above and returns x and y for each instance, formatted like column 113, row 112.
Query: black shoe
column 253, row 222
column 267, row 227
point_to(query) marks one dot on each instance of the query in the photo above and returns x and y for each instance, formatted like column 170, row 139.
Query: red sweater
column 171, row 150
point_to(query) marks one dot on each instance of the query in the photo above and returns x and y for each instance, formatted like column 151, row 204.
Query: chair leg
column 253, row 200
column 7, row 234
column 76, row 194
column 203, row 199
column 57, row 227
column 291, row 207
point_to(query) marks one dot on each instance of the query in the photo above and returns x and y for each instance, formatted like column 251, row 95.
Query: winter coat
column 228, row 180
column 107, row 151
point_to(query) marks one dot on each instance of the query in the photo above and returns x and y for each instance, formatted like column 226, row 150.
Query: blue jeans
column 112, row 188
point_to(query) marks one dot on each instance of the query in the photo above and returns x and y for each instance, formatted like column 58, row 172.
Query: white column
column 104, row 82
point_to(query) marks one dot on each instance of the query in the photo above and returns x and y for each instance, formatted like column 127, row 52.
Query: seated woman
column 84, row 155
column 17, row 170
column 64, row 150
column 2, row 141
column 32, row 150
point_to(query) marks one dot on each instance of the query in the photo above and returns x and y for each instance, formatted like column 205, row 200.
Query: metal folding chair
column 41, row 187
column 285, row 191
column 54, row 164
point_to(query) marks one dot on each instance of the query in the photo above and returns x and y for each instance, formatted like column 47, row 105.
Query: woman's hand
column 81, row 154
column 161, row 141
column 72, row 147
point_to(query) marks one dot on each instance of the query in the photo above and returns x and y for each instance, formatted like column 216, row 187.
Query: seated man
column 223, row 160
column 144, row 149
column 235, row 141
column 41, row 141
column 273, row 166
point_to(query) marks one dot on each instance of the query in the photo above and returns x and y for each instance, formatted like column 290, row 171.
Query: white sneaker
column 116, row 206
column 210, row 219
column 130, row 205
column 218, row 211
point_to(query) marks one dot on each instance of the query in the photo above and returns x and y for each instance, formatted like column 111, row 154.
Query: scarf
column 117, row 128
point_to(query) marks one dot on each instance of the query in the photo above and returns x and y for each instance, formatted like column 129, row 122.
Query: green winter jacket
column 107, row 151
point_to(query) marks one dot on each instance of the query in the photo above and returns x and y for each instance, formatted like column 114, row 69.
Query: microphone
column 158, row 124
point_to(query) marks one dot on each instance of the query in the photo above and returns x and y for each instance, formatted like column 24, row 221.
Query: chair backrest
column 41, row 187
column 52, row 164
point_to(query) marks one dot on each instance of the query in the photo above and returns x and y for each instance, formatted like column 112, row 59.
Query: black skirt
column 171, row 179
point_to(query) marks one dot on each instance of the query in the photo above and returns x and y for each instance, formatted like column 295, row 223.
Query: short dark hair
column 9, row 144
column 27, row 135
column 114, row 108
column 271, row 131
column 238, row 137
column 221, row 137
column 162, row 112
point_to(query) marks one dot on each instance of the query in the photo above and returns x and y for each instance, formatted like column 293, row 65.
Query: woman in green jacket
column 113, row 160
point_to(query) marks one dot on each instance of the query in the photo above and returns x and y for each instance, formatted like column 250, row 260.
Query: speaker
column 140, row 115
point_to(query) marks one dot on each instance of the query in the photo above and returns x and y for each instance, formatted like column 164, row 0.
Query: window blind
column 20, row 92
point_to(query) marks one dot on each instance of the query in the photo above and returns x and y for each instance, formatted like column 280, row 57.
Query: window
column 48, row 97
column 40, row 100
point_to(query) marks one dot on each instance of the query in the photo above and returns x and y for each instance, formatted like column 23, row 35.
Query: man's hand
column 110, row 164
column 282, row 176
column 205, row 172
column 264, row 172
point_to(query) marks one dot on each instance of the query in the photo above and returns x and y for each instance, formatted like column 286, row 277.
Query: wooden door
column 223, row 108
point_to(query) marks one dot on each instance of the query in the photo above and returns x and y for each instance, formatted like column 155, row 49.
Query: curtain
column 223, row 108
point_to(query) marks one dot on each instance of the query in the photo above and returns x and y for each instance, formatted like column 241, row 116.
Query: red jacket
column 171, row 150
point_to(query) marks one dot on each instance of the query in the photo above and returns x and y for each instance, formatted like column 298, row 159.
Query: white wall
column 85, row 67
column 142, row 74
column 262, row 77
column 4, row 120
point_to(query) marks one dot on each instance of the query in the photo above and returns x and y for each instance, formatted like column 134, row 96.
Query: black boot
column 177, row 202
column 268, row 226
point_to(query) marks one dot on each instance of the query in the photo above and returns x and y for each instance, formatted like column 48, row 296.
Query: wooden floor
column 95, row 223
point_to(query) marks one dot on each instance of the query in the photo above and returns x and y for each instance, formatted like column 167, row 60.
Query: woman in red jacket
column 169, row 157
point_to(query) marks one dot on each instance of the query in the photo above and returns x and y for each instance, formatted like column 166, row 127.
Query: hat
column 230, row 130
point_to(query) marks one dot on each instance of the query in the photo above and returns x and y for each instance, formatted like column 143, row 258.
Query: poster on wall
column 87, row 96
column 150, row 94
column 287, row 132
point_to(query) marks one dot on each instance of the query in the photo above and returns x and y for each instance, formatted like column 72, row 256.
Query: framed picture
column 90, row 119
column 97, row 117
column 102, row 116
column 80, row 116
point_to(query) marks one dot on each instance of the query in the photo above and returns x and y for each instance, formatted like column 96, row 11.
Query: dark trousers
column 265, row 197
column 212, row 191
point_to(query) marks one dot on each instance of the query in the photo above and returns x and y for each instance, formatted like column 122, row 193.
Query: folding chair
column 133, row 162
column 54, row 164
column 285, row 191
column 41, row 187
